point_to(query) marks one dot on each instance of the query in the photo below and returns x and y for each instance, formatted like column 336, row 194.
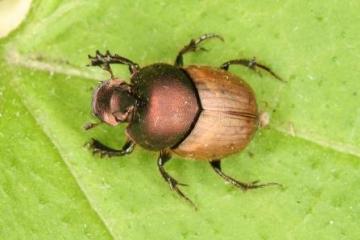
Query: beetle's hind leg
column 164, row 157
column 216, row 165
column 252, row 64
column 104, row 61
column 103, row 150
column 193, row 46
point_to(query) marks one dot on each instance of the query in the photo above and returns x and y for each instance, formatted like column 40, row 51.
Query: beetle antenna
column 91, row 125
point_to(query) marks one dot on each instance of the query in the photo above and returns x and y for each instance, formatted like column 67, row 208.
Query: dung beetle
column 196, row 112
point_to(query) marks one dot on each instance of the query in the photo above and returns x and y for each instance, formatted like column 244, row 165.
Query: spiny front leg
column 105, row 151
column 216, row 165
column 193, row 46
column 164, row 157
column 104, row 61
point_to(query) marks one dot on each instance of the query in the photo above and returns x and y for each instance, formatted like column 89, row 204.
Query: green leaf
column 51, row 187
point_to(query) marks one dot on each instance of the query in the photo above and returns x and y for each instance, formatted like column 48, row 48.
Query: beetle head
column 113, row 102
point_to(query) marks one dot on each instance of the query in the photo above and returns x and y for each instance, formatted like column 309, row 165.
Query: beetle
column 196, row 112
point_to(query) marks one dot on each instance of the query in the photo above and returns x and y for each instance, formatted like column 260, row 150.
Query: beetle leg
column 216, row 165
column 103, row 150
column 193, row 46
column 164, row 157
column 104, row 61
column 252, row 64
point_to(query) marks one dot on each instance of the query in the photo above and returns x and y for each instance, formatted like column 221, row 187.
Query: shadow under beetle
column 196, row 112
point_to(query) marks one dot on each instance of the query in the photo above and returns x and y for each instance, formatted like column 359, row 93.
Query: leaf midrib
column 14, row 58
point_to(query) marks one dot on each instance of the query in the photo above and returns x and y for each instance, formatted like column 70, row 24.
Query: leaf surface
column 51, row 186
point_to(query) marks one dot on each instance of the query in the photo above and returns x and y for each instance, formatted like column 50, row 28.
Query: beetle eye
column 119, row 116
column 124, row 116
